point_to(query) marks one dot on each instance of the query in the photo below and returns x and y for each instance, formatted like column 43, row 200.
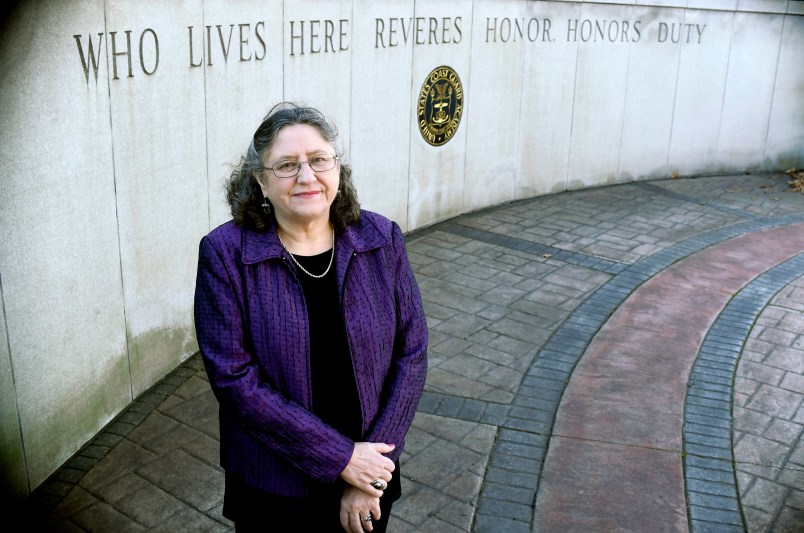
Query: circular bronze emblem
column 440, row 105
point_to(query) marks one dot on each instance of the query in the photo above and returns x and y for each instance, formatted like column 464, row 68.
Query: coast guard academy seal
column 440, row 105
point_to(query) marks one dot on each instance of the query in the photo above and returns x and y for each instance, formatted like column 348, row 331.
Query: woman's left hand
column 355, row 506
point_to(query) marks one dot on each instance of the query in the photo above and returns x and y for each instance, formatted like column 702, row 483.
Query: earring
column 266, row 206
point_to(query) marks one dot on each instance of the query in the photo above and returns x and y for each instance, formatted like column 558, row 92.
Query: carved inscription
column 517, row 29
column 136, row 52
column 511, row 29
column 612, row 31
column 122, row 53
column 392, row 32
column 317, row 36
column 677, row 32
column 250, row 43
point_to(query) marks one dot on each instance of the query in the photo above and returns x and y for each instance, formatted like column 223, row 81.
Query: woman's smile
column 307, row 194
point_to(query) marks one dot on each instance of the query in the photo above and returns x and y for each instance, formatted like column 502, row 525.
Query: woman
column 311, row 327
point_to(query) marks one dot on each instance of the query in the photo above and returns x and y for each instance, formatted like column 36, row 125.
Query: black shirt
column 335, row 398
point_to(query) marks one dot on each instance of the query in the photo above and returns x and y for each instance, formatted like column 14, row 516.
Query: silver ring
column 366, row 518
column 379, row 484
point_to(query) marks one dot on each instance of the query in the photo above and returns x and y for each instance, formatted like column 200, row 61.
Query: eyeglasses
column 289, row 169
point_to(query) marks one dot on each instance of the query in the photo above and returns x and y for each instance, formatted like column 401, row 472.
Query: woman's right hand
column 368, row 464
column 358, row 509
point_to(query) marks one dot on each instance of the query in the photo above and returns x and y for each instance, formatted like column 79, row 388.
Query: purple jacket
column 251, row 325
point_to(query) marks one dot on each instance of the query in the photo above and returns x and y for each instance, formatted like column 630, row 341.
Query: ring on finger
column 366, row 518
column 379, row 484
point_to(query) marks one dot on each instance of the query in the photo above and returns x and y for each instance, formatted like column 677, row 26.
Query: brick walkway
column 539, row 311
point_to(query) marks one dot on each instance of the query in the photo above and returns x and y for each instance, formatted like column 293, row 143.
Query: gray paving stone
column 711, row 487
column 495, row 414
column 700, row 526
column 103, row 517
column 150, row 505
column 122, row 459
column 775, row 401
column 708, row 474
column 508, row 493
column 193, row 520
column 718, row 516
column 194, row 482
column 521, row 512
column 714, row 501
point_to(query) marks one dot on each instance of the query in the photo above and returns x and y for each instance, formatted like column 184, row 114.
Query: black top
column 335, row 398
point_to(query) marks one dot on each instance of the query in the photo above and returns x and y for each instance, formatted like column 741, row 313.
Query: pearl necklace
column 331, row 257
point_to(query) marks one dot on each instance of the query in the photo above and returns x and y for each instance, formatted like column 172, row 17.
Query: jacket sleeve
column 405, row 382
column 284, row 426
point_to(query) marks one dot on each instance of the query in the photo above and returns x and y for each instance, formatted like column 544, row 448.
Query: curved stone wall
column 120, row 120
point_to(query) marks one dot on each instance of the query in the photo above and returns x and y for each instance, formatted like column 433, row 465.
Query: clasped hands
column 361, row 499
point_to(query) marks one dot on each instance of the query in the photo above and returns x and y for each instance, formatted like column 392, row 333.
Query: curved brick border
column 711, row 483
column 508, row 496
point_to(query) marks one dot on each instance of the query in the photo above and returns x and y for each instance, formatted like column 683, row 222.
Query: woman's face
column 306, row 197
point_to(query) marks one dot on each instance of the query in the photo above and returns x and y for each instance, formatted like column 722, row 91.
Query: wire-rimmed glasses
column 290, row 169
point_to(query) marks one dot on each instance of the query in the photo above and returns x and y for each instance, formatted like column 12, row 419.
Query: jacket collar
column 361, row 237
column 261, row 246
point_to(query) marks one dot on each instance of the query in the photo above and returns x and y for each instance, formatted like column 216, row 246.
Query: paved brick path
column 524, row 302
column 769, row 415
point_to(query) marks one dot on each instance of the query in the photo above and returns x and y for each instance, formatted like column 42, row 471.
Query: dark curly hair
column 243, row 192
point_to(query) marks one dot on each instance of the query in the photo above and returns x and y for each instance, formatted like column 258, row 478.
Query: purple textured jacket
column 252, row 329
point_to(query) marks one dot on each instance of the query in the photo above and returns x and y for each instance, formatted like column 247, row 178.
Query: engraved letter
column 392, row 40
column 190, row 29
column 244, row 41
column 700, row 32
column 314, row 36
column 535, row 35
column 458, row 29
column 406, row 30
column 419, row 29
column 93, row 59
column 673, row 37
column 343, row 27
column 209, row 45
column 379, row 27
column 599, row 27
column 445, row 30
column 491, row 29
column 257, row 27
column 505, row 29
column 156, row 52
column 586, row 24
column 115, row 53
column 572, row 30
column 614, row 25
column 519, row 24
column 433, row 28
column 293, row 36
column 225, row 47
